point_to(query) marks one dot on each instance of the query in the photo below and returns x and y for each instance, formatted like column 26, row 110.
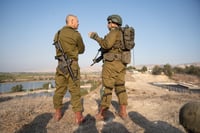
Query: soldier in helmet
column 72, row 45
column 189, row 117
column 113, row 71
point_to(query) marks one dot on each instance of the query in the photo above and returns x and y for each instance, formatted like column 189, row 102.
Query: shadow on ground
column 4, row 99
column 88, row 126
column 115, row 104
column 108, row 115
column 38, row 125
column 152, row 126
column 65, row 107
column 114, row 127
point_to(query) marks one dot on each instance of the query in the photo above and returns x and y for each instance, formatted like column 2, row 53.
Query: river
column 27, row 85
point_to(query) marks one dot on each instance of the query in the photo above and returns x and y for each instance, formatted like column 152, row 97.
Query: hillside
column 151, row 109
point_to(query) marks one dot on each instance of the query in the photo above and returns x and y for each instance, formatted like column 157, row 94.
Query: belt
column 112, row 56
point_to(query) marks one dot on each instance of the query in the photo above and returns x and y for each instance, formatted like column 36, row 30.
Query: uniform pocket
column 75, row 69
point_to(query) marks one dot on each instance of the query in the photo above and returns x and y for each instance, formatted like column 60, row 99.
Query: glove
column 94, row 35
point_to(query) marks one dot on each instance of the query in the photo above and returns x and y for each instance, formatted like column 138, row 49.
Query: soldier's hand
column 93, row 35
column 89, row 34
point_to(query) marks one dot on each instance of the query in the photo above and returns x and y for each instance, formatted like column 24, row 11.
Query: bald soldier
column 72, row 45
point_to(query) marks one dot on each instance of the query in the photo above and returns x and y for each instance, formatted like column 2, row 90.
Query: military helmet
column 115, row 19
column 189, row 116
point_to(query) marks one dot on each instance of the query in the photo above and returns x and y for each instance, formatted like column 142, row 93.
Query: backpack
column 128, row 36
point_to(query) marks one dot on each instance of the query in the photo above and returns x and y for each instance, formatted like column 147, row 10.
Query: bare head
column 72, row 21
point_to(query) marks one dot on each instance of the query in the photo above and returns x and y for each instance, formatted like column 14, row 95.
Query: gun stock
column 97, row 60
column 66, row 62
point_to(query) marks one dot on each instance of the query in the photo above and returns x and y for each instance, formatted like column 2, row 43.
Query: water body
column 28, row 85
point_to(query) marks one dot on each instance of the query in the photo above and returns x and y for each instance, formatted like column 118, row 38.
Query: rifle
column 66, row 62
column 97, row 60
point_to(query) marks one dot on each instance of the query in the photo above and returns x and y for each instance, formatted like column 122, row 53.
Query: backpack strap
column 122, row 38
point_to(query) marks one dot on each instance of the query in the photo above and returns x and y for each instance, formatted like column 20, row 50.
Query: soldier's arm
column 108, row 41
column 81, row 45
column 55, row 37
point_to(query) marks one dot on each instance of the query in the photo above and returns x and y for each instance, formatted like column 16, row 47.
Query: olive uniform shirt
column 71, row 42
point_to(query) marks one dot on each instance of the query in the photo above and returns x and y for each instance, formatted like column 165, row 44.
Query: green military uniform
column 72, row 44
column 113, row 72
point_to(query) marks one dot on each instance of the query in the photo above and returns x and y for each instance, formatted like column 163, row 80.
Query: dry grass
column 187, row 79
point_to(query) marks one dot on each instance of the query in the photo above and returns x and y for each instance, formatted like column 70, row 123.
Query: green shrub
column 167, row 70
column 46, row 86
column 17, row 88
column 144, row 69
column 156, row 70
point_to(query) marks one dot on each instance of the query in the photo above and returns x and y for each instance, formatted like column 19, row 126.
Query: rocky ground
column 151, row 109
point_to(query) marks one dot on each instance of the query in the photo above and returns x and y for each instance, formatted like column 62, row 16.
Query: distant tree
column 156, row 70
column 192, row 70
column 6, row 77
column 130, row 68
column 46, row 86
column 167, row 70
column 178, row 70
column 17, row 88
column 144, row 69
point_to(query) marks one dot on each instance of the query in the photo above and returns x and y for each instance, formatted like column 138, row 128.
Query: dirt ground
column 151, row 109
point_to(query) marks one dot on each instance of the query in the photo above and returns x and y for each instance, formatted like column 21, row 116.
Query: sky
column 166, row 31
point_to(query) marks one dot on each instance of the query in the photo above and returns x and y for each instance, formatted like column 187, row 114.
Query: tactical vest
column 124, row 46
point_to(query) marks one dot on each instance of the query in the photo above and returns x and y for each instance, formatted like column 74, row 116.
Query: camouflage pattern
column 113, row 72
column 73, row 45
column 189, row 117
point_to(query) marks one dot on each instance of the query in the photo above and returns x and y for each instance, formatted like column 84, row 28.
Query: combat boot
column 100, row 115
column 78, row 117
column 58, row 114
column 122, row 112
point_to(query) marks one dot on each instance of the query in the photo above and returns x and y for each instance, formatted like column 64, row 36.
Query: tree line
column 169, row 70
column 25, row 76
column 19, row 87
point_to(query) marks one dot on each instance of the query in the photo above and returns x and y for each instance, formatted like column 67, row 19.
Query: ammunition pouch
column 112, row 56
column 62, row 67
column 124, row 57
